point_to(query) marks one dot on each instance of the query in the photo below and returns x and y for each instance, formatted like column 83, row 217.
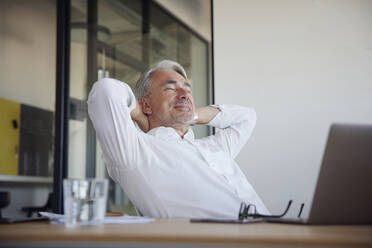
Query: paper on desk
column 126, row 219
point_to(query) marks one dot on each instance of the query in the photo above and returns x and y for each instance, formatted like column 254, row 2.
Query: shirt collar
column 168, row 133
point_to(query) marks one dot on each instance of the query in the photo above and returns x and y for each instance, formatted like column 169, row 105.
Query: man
column 165, row 172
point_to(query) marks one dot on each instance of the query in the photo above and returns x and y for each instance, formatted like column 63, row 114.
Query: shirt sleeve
column 110, row 103
column 236, row 124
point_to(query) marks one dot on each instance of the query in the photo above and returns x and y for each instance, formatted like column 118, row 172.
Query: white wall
column 27, row 52
column 302, row 65
column 194, row 13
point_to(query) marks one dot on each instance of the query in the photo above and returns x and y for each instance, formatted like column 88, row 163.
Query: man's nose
column 181, row 93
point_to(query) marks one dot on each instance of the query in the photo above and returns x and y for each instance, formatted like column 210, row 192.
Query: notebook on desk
column 226, row 221
column 343, row 193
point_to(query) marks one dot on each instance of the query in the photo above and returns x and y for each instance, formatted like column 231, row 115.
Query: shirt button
column 227, row 179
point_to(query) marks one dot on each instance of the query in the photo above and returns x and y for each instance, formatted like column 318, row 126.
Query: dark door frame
column 62, row 112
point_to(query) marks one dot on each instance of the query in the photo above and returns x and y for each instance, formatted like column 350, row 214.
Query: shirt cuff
column 231, row 114
column 218, row 121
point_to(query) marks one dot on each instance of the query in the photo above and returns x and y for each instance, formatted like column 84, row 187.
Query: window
column 124, row 38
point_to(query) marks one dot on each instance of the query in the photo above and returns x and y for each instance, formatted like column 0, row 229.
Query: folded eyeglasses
column 249, row 211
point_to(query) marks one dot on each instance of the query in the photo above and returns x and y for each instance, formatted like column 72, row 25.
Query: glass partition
column 121, row 39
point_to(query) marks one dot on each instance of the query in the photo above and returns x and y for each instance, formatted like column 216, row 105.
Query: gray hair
column 143, row 85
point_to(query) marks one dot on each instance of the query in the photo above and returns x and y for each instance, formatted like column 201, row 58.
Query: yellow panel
column 9, row 136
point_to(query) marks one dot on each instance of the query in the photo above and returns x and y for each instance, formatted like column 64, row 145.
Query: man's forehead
column 170, row 82
column 165, row 75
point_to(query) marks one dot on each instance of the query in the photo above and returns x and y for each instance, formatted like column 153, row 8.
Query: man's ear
column 145, row 104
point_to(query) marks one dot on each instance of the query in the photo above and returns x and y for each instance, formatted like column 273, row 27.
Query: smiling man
column 163, row 169
column 170, row 103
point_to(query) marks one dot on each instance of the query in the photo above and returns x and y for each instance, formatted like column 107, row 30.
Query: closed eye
column 173, row 89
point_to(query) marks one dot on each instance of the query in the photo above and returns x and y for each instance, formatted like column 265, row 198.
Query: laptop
column 343, row 193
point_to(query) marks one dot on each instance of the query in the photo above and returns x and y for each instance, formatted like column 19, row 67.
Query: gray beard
column 175, row 122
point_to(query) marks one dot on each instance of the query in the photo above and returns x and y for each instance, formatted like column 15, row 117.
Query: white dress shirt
column 164, row 175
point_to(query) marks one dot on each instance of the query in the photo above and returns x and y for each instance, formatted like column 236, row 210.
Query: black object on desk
column 4, row 202
column 21, row 220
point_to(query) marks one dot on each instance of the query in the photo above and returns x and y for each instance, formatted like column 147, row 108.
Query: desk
column 182, row 233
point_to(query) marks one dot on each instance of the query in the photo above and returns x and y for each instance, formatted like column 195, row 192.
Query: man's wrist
column 140, row 118
column 206, row 114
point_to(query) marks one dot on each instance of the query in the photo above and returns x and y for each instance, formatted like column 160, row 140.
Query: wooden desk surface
column 182, row 231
